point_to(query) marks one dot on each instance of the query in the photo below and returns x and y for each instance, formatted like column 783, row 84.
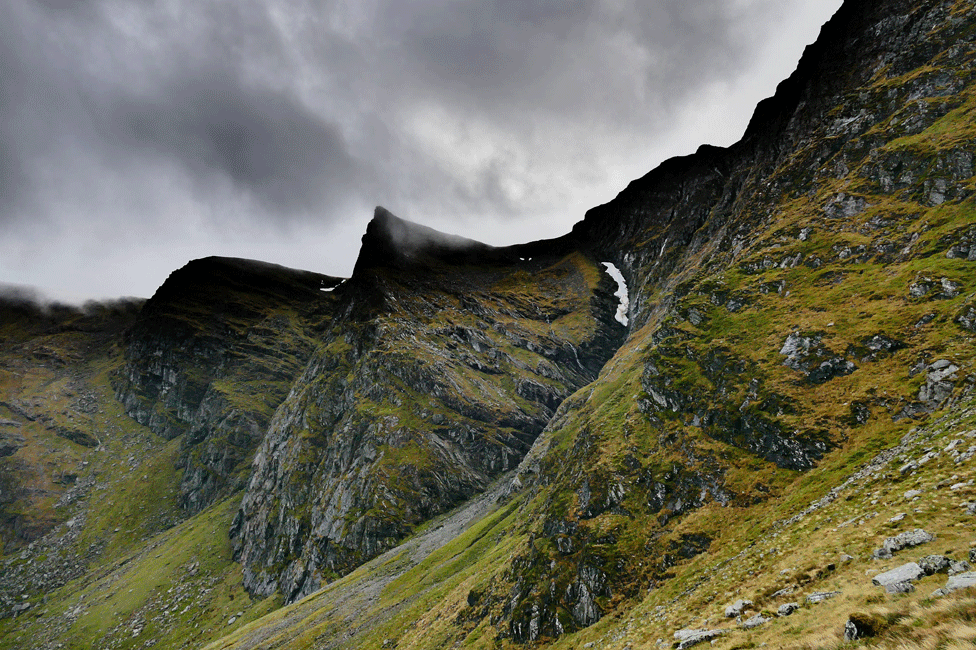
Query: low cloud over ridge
column 151, row 132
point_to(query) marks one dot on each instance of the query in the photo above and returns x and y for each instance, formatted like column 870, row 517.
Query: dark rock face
column 436, row 367
column 436, row 378
column 211, row 356
column 711, row 401
column 716, row 234
column 808, row 354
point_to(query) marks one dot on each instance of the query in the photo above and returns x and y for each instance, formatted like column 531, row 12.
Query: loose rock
column 907, row 539
column 736, row 608
column 821, row 596
column 904, row 573
column 688, row 638
column 958, row 566
column 755, row 621
column 787, row 608
column 932, row 564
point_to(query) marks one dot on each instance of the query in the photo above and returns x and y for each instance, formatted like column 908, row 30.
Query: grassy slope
column 116, row 520
column 847, row 296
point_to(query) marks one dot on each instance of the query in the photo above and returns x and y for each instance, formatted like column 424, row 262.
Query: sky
column 136, row 135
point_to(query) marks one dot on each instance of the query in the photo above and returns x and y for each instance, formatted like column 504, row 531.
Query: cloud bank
column 135, row 135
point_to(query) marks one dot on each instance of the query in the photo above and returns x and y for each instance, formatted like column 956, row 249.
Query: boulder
column 787, row 608
column 932, row 564
column 908, row 539
column 905, row 587
column 736, row 608
column 958, row 566
column 961, row 581
column 688, row 638
column 904, row 573
column 755, row 621
column 821, row 596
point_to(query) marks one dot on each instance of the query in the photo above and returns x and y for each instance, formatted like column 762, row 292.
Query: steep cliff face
column 798, row 367
column 438, row 375
column 791, row 295
column 212, row 355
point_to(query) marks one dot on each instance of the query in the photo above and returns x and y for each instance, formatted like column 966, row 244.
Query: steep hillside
column 212, row 355
column 446, row 363
column 798, row 301
column 459, row 446
column 51, row 412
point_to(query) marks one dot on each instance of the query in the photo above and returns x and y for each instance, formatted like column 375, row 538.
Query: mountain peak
column 390, row 241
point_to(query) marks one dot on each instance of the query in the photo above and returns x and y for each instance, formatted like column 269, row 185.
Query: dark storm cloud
column 264, row 141
column 577, row 58
column 142, row 123
column 199, row 93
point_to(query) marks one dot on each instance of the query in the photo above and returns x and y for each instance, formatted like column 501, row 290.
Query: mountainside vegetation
column 461, row 446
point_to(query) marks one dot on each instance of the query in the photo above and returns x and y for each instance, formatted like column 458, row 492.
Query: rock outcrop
column 445, row 362
column 212, row 355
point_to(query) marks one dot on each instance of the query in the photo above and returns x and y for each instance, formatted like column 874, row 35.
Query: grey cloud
column 264, row 141
column 572, row 58
column 208, row 91
column 142, row 116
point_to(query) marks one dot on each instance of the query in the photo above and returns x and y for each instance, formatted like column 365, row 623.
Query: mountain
column 462, row 446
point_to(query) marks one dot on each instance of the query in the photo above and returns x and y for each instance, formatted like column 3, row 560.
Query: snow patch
column 621, row 292
column 330, row 288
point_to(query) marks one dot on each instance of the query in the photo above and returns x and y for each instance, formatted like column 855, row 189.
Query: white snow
column 330, row 288
column 621, row 292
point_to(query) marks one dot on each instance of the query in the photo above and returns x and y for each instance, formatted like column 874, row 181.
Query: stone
column 821, row 596
column 911, row 494
column 843, row 206
column 736, row 608
column 961, row 581
column 688, row 638
column 904, row 573
column 932, row 564
column 787, row 608
column 908, row 539
column 905, row 587
column 958, row 566
column 897, row 518
column 755, row 621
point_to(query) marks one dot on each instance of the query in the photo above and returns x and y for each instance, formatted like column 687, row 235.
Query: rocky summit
column 764, row 435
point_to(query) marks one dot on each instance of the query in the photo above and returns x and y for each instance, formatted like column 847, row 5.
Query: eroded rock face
column 711, row 244
column 211, row 356
column 437, row 378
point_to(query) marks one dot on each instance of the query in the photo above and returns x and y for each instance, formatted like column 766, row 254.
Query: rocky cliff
column 784, row 292
column 445, row 362
column 212, row 355
column 789, row 406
